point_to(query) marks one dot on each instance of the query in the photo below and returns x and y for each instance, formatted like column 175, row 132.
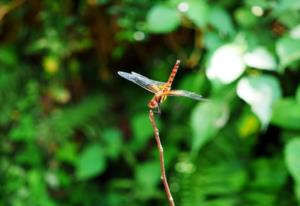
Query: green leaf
column 226, row 64
column 288, row 50
column 162, row 19
column 292, row 158
column 63, row 122
column 91, row 162
column 221, row 20
column 8, row 56
column 142, row 129
column 248, row 123
column 67, row 153
column 29, row 155
column 295, row 32
column 288, row 5
column 260, row 58
column 297, row 191
column 260, row 92
column 113, row 140
column 286, row 114
column 214, row 183
column 298, row 94
column 269, row 173
column 260, row 3
column 207, row 119
column 245, row 18
column 38, row 189
column 148, row 175
column 212, row 41
column 197, row 12
column 288, row 18
column 25, row 129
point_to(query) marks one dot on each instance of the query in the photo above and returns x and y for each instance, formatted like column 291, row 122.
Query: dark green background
column 73, row 132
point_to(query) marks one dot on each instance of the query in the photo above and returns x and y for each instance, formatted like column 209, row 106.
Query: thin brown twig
column 161, row 159
column 5, row 9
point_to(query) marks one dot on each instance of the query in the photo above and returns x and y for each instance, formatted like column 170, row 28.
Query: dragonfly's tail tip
column 178, row 61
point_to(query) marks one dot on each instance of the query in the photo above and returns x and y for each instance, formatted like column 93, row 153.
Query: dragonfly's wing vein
column 142, row 81
column 184, row 93
column 147, row 80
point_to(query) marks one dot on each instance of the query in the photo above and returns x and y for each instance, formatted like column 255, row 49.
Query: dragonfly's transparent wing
column 142, row 81
column 184, row 93
column 147, row 80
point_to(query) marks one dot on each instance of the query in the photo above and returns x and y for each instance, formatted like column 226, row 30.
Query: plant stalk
column 161, row 159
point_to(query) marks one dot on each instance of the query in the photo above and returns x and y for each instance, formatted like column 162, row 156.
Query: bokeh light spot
column 183, row 7
column 257, row 10
column 139, row 36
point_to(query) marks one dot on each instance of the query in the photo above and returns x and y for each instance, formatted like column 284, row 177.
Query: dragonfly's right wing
column 148, row 84
column 184, row 93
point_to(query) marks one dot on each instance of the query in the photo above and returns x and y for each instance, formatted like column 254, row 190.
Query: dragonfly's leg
column 158, row 109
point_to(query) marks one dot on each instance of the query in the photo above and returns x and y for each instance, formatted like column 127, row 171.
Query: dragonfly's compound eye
column 152, row 104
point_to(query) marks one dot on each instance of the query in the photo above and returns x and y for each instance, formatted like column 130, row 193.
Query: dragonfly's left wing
column 146, row 79
column 184, row 93
column 148, row 84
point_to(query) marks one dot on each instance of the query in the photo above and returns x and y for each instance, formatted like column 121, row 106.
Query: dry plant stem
column 161, row 159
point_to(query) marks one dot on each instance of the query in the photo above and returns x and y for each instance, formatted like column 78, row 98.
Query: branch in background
column 5, row 9
column 161, row 159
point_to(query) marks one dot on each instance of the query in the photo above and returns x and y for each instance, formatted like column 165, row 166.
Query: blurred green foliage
column 75, row 133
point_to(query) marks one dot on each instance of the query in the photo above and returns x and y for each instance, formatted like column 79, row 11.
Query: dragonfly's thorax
column 156, row 100
column 160, row 96
column 159, row 93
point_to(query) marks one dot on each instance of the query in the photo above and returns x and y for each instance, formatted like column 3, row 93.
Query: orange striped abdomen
column 172, row 76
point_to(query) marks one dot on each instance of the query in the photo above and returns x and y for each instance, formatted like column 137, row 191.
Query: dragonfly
column 161, row 90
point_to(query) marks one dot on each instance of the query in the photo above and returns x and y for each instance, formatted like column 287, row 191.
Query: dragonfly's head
column 153, row 104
